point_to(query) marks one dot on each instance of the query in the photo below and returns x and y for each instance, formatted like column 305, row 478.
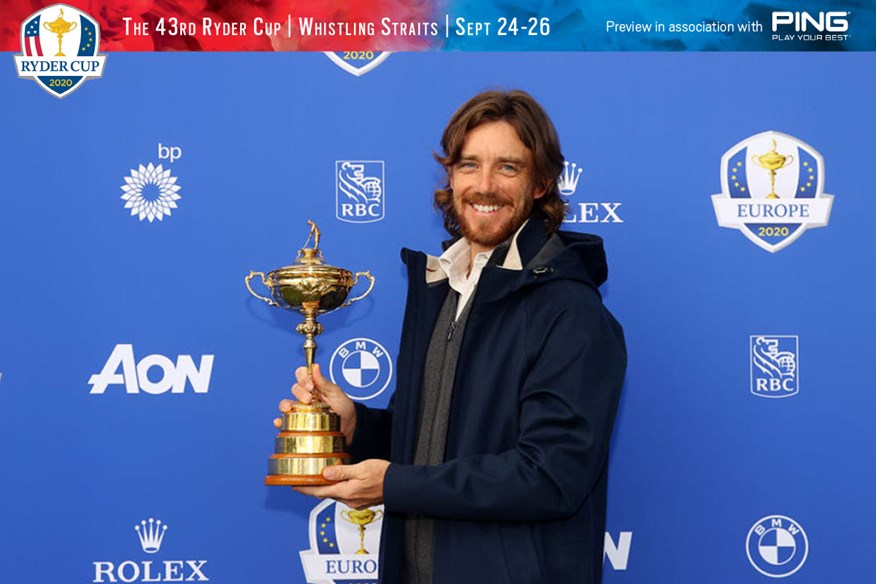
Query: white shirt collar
column 455, row 263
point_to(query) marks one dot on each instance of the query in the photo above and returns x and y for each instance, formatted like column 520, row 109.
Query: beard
column 489, row 231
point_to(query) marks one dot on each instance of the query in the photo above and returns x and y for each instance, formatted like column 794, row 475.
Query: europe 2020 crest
column 772, row 190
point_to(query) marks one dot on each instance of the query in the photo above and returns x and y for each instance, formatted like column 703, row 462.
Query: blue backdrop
column 702, row 467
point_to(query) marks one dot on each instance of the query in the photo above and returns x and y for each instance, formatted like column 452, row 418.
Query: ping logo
column 775, row 367
column 362, row 368
column 151, row 535
column 174, row 377
column 77, row 38
column 359, row 191
column 835, row 21
column 777, row 546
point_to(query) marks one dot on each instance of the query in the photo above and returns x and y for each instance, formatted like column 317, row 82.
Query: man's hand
column 308, row 389
column 359, row 485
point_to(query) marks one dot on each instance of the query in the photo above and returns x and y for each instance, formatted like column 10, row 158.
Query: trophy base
column 296, row 481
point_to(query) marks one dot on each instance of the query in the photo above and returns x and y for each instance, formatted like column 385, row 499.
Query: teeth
column 486, row 208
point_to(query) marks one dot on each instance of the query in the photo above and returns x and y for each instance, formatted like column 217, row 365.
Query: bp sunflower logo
column 150, row 192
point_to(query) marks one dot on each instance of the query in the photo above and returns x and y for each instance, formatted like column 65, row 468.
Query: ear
column 542, row 191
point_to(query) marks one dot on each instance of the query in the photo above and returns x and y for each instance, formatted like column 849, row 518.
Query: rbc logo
column 135, row 377
column 359, row 190
column 775, row 369
column 777, row 546
column 362, row 368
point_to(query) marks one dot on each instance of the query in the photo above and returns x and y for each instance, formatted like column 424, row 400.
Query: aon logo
column 154, row 374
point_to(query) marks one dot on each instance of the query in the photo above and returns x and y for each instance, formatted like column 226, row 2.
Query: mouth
column 486, row 209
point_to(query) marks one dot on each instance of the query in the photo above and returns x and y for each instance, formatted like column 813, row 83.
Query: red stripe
column 39, row 47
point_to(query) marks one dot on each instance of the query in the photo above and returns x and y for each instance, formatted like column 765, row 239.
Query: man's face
column 493, row 185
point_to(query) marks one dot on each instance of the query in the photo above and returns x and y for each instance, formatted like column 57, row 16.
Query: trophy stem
column 60, row 54
column 361, row 549
column 772, row 194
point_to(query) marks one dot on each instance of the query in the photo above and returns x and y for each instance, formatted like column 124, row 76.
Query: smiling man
column 491, row 459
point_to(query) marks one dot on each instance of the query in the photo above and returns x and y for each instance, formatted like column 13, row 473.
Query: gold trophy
column 60, row 27
column 772, row 161
column 361, row 517
column 310, row 437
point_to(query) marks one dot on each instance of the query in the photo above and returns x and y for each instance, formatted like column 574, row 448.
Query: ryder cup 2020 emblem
column 59, row 49
column 362, row 368
column 360, row 190
column 344, row 544
column 777, row 546
column 775, row 368
column 772, row 190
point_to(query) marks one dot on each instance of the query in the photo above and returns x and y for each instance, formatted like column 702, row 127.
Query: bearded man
column 491, row 459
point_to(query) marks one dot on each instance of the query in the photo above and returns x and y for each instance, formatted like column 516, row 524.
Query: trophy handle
column 378, row 514
column 346, row 515
column 251, row 291
column 789, row 158
column 356, row 281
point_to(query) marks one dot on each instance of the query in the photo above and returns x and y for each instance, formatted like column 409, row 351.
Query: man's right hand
column 330, row 393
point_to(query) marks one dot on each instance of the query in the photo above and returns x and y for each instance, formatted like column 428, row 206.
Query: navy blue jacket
column 521, row 495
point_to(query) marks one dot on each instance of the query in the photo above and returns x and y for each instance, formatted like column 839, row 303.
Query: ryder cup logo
column 359, row 190
column 344, row 544
column 772, row 190
column 362, row 368
column 777, row 546
column 357, row 63
column 775, row 370
column 74, row 34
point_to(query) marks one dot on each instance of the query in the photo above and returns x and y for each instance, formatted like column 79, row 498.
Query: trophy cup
column 310, row 438
column 772, row 161
column 60, row 27
column 361, row 518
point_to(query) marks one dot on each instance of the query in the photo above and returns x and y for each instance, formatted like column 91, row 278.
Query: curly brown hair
column 535, row 130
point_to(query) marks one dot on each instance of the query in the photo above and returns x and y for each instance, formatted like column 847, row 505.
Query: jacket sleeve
column 372, row 436
column 567, row 406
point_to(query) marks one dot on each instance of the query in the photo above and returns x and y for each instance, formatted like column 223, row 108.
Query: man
column 491, row 458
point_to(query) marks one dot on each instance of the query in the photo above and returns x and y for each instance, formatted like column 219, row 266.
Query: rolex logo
column 567, row 182
column 151, row 535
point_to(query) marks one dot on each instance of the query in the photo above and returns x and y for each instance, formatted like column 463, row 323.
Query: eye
column 508, row 168
column 466, row 166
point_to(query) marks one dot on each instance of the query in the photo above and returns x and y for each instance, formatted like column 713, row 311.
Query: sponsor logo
column 587, row 212
column 777, row 546
column 775, row 370
column 75, row 34
column 135, row 376
column 150, row 192
column 808, row 27
column 151, row 535
column 362, row 367
column 359, row 190
column 358, row 63
column 772, row 190
column 344, row 544
column 618, row 554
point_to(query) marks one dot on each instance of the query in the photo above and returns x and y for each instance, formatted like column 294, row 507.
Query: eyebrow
column 514, row 159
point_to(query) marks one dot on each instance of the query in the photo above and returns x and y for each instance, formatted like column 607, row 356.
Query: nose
column 485, row 181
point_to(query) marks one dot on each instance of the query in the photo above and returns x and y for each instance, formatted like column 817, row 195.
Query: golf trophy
column 310, row 437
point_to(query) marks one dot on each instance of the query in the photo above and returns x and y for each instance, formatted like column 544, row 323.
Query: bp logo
column 772, row 190
column 777, row 546
column 362, row 368
column 59, row 49
column 344, row 544
column 775, row 367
